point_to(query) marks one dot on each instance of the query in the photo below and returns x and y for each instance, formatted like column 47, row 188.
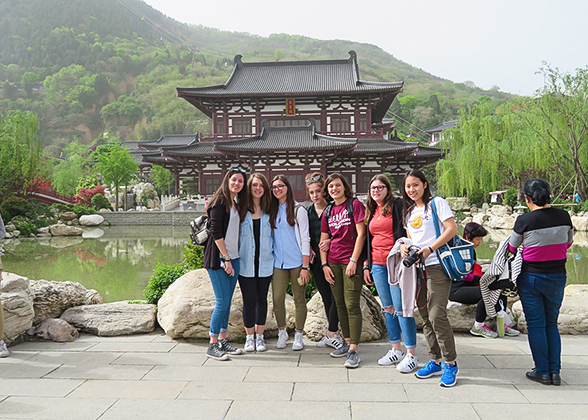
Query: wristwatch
column 305, row 268
column 226, row 257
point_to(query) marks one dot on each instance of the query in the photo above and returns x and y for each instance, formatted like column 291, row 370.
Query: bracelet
column 431, row 249
column 352, row 260
column 365, row 267
column 305, row 268
column 325, row 265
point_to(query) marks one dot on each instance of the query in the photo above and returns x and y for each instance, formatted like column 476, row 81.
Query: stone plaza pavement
column 154, row 377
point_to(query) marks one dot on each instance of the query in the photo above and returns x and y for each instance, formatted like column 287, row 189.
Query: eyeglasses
column 238, row 170
column 278, row 187
column 377, row 187
column 313, row 178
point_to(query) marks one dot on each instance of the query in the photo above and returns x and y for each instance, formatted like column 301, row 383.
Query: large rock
column 480, row 218
column 373, row 325
column 185, row 308
column 67, row 216
column 573, row 315
column 458, row 203
column 501, row 222
column 111, row 319
column 17, row 298
column 65, row 230
column 51, row 298
column 57, row 329
column 91, row 220
column 580, row 223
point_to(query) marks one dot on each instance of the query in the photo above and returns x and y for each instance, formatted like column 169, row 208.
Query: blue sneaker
column 432, row 368
column 449, row 377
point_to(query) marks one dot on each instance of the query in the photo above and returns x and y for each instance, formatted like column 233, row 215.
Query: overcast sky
column 492, row 43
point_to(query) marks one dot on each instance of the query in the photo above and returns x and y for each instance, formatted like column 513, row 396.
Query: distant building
column 436, row 132
column 291, row 118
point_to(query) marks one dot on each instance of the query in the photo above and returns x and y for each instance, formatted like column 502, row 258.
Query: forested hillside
column 86, row 67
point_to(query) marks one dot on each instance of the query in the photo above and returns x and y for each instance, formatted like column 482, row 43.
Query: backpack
column 200, row 230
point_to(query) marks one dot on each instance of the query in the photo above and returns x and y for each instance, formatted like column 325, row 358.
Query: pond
column 120, row 263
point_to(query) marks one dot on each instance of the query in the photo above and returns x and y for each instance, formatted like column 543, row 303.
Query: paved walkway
column 154, row 377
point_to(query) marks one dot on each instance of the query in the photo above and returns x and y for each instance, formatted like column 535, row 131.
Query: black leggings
column 324, row 289
column 470, row 294
column 254, row 291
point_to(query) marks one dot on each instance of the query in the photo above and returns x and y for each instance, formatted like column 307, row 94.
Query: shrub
column 28, row 227
column 585, row 207
column 476, row 197
column 193, row 256
column 84, row 197
column 101, row 202
column 510, row 197
column 83, row 211
column 163, row 276
column 17, row 206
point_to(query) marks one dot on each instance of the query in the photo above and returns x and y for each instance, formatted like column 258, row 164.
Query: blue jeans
column 223, row 286
column 392, row 296
column 541, row 296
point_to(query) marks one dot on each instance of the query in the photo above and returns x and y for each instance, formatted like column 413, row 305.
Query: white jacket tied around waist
column 405, row 277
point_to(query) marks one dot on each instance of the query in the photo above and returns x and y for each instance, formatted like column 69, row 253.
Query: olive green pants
column 347, row 292
column 1, row 309
column 279, row 286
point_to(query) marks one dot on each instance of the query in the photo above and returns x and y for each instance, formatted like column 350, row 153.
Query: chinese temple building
column 291, row 118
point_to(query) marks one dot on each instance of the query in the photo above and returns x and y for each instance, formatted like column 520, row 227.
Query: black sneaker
column 225, row 347
column 214, row 352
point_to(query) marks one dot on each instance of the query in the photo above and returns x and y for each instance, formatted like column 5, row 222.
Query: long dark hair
column 408, row 203
column 275, row 204
column 266, row 198
column 346, row 186
column 389, row 199
column 223, row 194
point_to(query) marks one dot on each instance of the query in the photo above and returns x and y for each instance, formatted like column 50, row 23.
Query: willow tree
column 559, row 118
column 116, row 165
column 20, row 152
column 490, row 149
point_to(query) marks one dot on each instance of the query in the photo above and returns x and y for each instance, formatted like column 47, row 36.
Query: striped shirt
column 546, row 234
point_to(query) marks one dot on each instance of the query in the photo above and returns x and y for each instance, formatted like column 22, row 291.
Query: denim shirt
column 287, row 253
column 247, row 247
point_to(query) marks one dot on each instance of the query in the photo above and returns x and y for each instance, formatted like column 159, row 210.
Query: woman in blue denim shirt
column 257, row 261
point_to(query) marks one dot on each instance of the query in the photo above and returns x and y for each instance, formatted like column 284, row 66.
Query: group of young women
column 259, row 235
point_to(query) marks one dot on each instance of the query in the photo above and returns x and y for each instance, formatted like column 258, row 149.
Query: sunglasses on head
column 238, row 170
column 313, row 178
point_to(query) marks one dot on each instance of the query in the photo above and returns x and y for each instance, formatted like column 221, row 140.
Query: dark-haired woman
column 256, row 261
column 383, row 217
column 420, row 228
column 315, row 187
column 289, row 221
column 342, row 263
column 226, row 210
column 546, row 233
column 467, row 291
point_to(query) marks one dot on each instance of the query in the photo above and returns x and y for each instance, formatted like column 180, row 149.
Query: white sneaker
column 3, row 350
column 391, row 358
column 249, row 343
column 298, row 343
column 335, row 342
column 408, row 364
column 282, row 338
column 260, row 343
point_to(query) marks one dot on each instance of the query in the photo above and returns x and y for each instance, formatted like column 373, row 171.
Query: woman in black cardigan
column 226, row 211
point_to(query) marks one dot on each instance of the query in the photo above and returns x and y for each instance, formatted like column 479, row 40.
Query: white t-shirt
column 421, row 228
column 232, row 235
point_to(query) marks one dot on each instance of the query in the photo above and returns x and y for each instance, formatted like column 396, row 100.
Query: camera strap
column 422, row 297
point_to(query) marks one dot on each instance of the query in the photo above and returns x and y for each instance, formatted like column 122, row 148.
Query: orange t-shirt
column 382, row 236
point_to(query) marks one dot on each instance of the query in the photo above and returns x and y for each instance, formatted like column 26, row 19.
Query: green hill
column 93, row 66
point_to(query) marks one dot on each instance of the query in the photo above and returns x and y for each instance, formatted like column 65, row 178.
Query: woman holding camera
column 546, row 233
column 226, row 211
column 383, row 218
column 418, row 219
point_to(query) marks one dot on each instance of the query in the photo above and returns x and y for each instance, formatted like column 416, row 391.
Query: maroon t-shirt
column 342, row 231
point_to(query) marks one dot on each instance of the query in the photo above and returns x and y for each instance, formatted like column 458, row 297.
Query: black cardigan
column 218, row 219
column 397, row 227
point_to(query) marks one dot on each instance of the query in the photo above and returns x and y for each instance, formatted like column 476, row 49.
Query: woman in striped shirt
column 546, row 234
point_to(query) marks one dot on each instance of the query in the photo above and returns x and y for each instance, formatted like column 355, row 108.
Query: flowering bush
column 84, row 196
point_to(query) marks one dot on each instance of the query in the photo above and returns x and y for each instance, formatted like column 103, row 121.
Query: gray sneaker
column 353, row 360
column 3, row 350
column 214, row 352
column 483, row 331
column 341, row 351
column 225, row 347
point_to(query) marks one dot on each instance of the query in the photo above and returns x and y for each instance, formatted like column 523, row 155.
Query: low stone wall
column 169, row 218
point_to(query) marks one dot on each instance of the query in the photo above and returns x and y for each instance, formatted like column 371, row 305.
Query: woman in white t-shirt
column 418, row 222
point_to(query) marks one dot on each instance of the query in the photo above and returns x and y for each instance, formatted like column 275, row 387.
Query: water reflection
column 118, row 264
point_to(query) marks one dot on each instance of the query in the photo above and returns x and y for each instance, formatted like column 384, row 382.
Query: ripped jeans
column 392, row 296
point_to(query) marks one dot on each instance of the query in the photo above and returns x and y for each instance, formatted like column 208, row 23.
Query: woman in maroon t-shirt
column 342, row 263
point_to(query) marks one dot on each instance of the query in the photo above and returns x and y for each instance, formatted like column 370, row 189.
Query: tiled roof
column 383, row 146
column 156, row 158
column 171, row 140
column 293, row 78
column 202, row 149
column 286, row 138
column 444, row 125
column 427, row 152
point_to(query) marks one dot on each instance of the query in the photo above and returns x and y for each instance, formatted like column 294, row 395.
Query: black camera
column 413, row 256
